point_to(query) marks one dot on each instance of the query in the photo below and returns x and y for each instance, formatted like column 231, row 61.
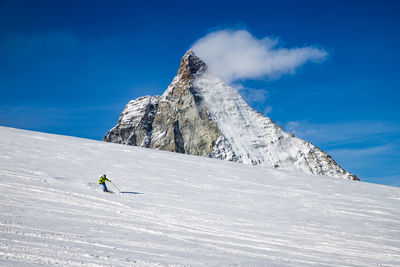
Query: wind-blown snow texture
column 191, row 210
column 200, row 115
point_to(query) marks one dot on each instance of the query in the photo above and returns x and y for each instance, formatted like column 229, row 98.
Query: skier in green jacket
column 102, row 181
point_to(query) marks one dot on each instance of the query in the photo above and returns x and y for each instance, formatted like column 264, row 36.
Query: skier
column 102, row 181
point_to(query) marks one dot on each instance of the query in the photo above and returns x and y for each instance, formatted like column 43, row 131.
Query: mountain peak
column 189, row 53
column 191, row 64
column 200, row 115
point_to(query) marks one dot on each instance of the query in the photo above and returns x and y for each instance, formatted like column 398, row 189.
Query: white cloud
column 339, row 134
column 252, row 95
column 236, row 55
column 363, row 152
column 267, row 110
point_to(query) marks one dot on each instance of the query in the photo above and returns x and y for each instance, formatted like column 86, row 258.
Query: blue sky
column 70, row 67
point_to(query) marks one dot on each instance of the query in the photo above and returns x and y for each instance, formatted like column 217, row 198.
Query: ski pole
column 116, row 186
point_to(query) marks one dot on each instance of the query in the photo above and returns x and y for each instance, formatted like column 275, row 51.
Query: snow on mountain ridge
column 198, row 114
column 247, row 131
column 139, row 114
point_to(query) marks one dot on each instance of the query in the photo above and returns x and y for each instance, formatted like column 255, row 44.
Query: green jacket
column 103, row 180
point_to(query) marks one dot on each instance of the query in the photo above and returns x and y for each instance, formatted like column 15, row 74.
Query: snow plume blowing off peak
column 234, row 55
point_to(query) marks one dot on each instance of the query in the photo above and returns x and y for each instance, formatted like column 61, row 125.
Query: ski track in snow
column 191, row 210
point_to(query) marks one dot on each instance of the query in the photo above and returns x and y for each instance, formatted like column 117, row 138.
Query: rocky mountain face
column 200, row 115
column 177, row 121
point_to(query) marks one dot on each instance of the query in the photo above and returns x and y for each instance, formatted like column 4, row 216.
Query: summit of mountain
column 200, row 115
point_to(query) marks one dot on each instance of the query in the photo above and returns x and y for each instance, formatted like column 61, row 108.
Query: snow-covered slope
column 200, row 115
column 181, row 210
column 256, row 139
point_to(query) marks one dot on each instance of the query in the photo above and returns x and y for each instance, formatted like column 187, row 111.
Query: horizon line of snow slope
column 191, row 211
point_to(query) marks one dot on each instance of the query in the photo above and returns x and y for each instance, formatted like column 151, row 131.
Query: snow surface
column 181, row 210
